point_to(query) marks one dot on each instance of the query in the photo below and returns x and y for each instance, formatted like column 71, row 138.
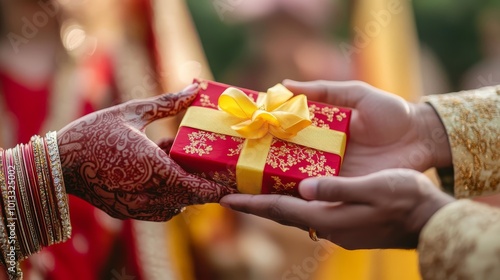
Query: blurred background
column 61, row 59
column 459, row 42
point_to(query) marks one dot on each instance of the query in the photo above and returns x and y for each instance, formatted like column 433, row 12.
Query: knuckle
column 326, row 190
column 323, row 187
column 130, row 105
column 400, row 177
column 275, row 210
column 324, row 83
column 361, row 86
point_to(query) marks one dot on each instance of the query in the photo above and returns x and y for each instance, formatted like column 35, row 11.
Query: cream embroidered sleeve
column 461, row 241
column 472, row 122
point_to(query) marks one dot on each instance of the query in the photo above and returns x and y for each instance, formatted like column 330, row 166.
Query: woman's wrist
column 34, row 200
column 433, row 136
column 69, row 162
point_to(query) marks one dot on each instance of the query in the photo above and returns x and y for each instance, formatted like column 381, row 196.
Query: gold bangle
column 58, row 181
column 42, row 171
column 51, row 196
column 30, row 197
column 30, row 237
column 21, row 213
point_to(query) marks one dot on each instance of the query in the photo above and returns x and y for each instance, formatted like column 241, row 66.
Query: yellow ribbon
column 277, row 113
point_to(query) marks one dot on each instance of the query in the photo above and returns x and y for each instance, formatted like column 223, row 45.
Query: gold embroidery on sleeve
column 472, row 121
column 460, row 242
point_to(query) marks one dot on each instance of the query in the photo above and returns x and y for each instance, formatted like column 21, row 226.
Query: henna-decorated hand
column 108, row 161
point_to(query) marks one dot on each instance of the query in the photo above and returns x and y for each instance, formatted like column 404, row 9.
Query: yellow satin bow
column 277, row 113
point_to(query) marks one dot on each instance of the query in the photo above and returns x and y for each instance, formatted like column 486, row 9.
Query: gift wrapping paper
column 215, row 155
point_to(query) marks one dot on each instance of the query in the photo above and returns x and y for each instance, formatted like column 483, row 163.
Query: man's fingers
column 287, row 210
column 334, row 189
column 148, row 110
column 279, row 208
column 345, row 94
column 363, row 190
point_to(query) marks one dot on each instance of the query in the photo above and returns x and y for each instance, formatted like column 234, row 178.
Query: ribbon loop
column 276, row 96
column 236, row 103
column 277, row 113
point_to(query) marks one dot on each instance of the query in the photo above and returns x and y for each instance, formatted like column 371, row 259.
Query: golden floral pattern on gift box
column 205, row 101
column 203, row 84
column 227, row 178
column 280, row 188
column 237, row 150
column 288, row 155
column 330, row 113
column 199, row 142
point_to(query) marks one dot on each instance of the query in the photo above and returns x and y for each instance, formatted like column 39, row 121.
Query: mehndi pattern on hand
column 108, row 161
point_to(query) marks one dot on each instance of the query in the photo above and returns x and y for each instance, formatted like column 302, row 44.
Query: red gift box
column 214, row 153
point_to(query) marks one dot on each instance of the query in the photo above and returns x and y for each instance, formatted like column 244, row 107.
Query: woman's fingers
column 165, row 144
column 202, row 190
column 142, row 112
column 194, row 189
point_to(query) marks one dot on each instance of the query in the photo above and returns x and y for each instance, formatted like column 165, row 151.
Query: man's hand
column 386, row 209
column 386, row 131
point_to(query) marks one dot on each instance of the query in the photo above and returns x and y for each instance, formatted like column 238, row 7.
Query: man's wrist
column 426, row 211
column 433, row 136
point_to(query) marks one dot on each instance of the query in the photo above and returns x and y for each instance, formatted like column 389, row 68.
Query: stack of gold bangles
column 34, row 206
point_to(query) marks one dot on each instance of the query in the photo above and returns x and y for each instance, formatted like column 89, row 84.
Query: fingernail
column 308, row 187
column 224, row 204
column 290, row 82
column 192, row 88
